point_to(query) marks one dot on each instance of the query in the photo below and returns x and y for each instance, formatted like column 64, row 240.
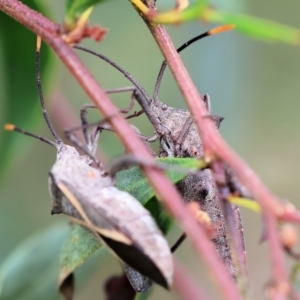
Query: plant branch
column 216, row 147
column 29, row 17
column 281, row 284
column 171, row 199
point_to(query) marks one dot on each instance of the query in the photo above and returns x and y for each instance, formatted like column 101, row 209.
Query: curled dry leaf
column 96, row 32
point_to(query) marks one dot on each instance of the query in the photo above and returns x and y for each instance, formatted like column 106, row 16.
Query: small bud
column 288, row 236
column 200, row 215
column 203, row 218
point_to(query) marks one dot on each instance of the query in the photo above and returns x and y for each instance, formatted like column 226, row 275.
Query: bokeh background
column 253, row 84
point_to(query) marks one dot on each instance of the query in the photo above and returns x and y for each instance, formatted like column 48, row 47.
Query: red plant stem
column 280, row 276
column 20, row 12
column 215, row 146
column 162, row 186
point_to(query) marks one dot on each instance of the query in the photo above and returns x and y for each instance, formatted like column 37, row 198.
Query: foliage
column 28, row 272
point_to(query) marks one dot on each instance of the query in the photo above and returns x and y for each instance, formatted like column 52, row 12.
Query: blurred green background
column 254, row 85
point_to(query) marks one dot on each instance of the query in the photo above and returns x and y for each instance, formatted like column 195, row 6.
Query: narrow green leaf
column 255, row 27
column 248, row 25
column 30, row 271
column 75, row 8
column 247, row 203
column 143, row 296
column 163, row 220
column 192, row 12
column 77, row 248
column 19, row 96
column 134, row 182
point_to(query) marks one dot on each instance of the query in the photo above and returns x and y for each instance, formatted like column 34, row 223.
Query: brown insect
column 87, row 195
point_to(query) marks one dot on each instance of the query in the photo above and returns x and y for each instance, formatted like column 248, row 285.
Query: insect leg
column 93, row 136
column 178, row 242
column 140, row 93
column 122, row 90
column 84, row 123
column 206, row 100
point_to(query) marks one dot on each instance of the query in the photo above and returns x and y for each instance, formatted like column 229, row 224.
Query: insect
column 179, row 137
column 87, row 195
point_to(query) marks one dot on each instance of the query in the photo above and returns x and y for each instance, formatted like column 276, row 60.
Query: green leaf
column 18, row 92
column 163, row 220
column 77, row 248
column 134, row 182
column 143, row 296
column 247, row 203
column 30, row 271
column 75, row 8
column 255, row 27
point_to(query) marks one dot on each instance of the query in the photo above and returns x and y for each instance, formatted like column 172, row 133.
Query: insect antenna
column 139, row 94
column 41, row 97
column 124, row 72
column 182, row 47
column 178, row 242
column 11, row 127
